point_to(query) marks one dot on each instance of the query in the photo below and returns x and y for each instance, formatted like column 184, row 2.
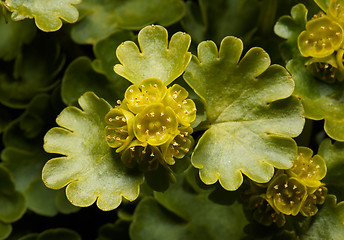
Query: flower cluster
column 323, row 41
column 151, row 125
column 292, row 191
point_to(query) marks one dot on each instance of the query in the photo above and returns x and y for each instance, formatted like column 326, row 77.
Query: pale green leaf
column 181, row 213
column 328, row 223
column 251, row 116
column 320, row 99
column 105, row 17
column 47, row 13
column 210, row 19
column 156, row 58
column 333, row 155
column 80, row 77
column 289, row 28
column 90, row 169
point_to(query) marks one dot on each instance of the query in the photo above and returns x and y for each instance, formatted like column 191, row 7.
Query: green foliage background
column 56, row 68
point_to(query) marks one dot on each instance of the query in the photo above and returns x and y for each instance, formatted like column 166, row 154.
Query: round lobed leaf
column 321, row 38
column 156, row 58
column 289, row 28
column 319, row 99
column 89, row 168
column 328, row 223
column 184, row 213
column 251, row 116
column 47, row 13
column 333, row 154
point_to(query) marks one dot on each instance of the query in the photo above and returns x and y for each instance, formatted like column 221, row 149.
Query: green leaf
column 80, row 78
column 210, row 19
column 290, row 27
column 328, row 222
column 13, row 36
column 179, row 213
column 47, row 13
column 156, row 58
column 53, row 234
column 319, row 99
column 91, row 170
column 136, row 14
column 35, row 71
column 12, row 203
column 105, row 17
column 333, row 155
column 24, row 157
column 5, row 230
column 251, row 116
column 105, row 52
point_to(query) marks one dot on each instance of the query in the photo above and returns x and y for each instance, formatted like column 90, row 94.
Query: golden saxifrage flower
column 151, row 125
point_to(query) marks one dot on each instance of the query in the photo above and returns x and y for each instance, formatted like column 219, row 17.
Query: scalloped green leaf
column 53, row 234
column 89, row 168
column 289, row 28
column 210, row 19
column 80, row 77
column 333, row 155
column 13, row 36
column 12, row 202
column 328, row 222
column 251, row 114
column 104, row 17
column 319, row 99
column 24, row 157
column 47, row 13
column 35, row 71
column 181, row 213
column 156, row 58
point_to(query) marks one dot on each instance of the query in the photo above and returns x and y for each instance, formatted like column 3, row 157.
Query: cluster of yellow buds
column 151, row 125
column 323, row 41
column 290, row 192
